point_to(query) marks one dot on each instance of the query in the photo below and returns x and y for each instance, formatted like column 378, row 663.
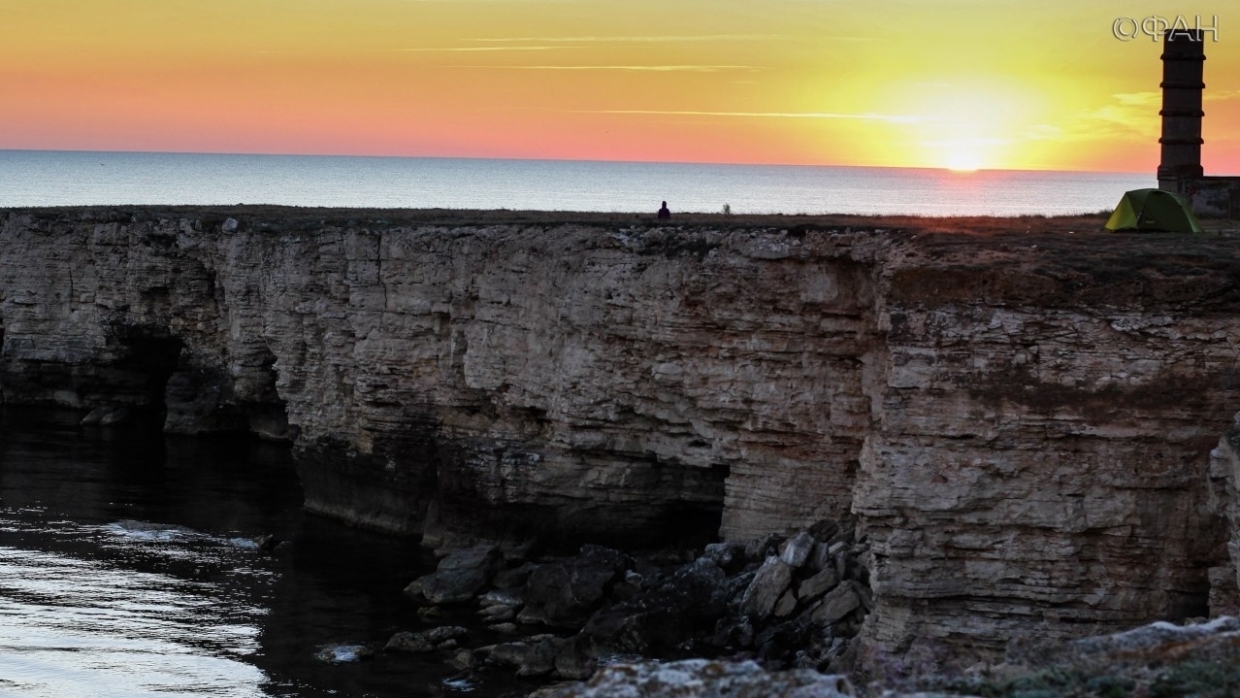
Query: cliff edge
column 1021, row 421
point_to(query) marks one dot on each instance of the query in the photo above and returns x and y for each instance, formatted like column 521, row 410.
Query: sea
column 58, row 178
column 129, row 569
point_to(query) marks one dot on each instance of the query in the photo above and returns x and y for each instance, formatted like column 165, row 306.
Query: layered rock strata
column 577, row 381
column 1040, row 455
column 1021, row 421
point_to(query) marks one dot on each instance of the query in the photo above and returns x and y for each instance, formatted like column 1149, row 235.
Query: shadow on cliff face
column 210, row 399
column 658, row 504
column 152, row 379
column 132, row 388
column 451, row 492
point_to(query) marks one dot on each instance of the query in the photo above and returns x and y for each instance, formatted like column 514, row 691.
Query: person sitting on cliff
column 664, row 213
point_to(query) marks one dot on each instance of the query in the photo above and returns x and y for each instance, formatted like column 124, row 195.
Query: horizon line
column 962, row 173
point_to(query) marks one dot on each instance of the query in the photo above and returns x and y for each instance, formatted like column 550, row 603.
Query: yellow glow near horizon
column 960, row 83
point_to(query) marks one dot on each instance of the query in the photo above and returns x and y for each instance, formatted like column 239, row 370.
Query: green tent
column 1153, row 210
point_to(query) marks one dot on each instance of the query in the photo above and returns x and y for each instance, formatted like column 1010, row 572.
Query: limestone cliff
column 1040, row 459
column 1021, row 422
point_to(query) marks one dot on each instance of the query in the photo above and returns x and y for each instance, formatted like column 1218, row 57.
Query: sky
column 938, row 83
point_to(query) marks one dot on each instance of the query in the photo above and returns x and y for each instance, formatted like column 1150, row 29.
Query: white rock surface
column 701, row 678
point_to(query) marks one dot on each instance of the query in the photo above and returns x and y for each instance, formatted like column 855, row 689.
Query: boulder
column 841, row 601
column 530, row 658
column 786, row 604
column 818, row 584
column 784, row 639
column 540, row 661
column 343, row 653
column 514, row 577
column 445, row 633
column 796, row 550
column 825, row 530
column 770, row 583
column 734, row 588
column 462, row 574
column 564, row 594
column 500, row 606
column 763, row 547
column 507, row 597
column 413, row 643
column 726, row 555
column 414, row 588
column 463, row 659
column 574, row 661
column 821, row 558
column 509, row 654
column 733, row 633
column 685, row 605
column 497, row 614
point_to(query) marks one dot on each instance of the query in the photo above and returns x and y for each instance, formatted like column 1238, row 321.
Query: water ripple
column 79, row 626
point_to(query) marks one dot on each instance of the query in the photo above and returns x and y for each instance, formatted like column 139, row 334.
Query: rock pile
column 786, row 602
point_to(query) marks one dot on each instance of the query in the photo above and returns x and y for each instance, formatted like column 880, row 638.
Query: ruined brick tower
column 1183, row 60
column 1180, row 169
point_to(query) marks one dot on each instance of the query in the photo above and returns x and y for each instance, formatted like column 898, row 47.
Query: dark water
column 126, row 569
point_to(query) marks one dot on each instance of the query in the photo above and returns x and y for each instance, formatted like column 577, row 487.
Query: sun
column 963, row 160
column 965, row 154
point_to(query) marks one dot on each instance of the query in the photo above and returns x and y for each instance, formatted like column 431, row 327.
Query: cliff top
column 298, row 218
column 1052, row 261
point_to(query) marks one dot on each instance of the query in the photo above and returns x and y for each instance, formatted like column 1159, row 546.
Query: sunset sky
column 941, row 83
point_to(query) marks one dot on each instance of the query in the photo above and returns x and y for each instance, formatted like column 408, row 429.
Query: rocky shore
column 777, row 618
column 794, row 602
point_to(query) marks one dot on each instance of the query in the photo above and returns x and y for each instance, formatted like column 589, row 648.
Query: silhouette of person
column 664, row 213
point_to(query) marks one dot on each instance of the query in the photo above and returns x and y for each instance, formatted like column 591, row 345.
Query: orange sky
column 965, row 83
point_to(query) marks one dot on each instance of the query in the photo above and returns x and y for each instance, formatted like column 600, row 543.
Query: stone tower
column 1183, row 62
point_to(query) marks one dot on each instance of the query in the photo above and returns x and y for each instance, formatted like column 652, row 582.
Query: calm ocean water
column 127, row 570
column 50, row 178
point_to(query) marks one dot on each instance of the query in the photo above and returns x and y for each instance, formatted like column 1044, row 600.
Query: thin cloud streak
column 1138, row 99
column 888, row 118
column 667, row 38
column 633, row 68
column 476, row 49
column 1130, row 117
column 632, row 39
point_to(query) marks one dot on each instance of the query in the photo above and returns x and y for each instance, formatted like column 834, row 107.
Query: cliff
column 1020, row 421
